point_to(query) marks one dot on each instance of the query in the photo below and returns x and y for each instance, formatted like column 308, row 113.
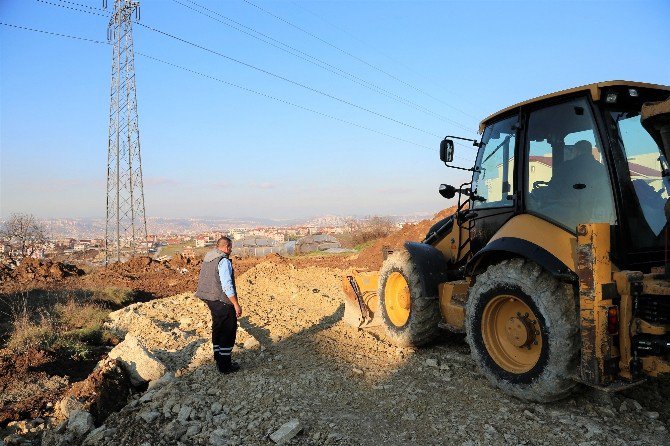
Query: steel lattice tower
column 126, row 226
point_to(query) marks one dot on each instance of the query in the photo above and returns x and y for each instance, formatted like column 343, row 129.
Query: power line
column 284, row 101
column 74, row 9
column 100, row 42
column 316, row 61
column 274, row 98
column 351, row 35
column 267, row 72
column 258, row 69
column 317, row 112
column 51, row 33
column 82, row 5
column 285, row 79
column 374, row 67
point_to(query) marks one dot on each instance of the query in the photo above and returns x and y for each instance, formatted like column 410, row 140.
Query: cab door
column 494, row 181
column 566, row 176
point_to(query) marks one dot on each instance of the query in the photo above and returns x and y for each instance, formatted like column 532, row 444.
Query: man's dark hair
column 223, row 240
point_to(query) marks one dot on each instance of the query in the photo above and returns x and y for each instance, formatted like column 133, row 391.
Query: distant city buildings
column 81, row 240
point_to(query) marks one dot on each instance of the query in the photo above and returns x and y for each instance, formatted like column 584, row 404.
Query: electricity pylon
column 126, row 226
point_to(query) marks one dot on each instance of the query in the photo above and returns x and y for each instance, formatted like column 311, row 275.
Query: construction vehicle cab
column 555, row 262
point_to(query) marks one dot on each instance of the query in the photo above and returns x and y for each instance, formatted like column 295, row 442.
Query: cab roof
column 594, row 89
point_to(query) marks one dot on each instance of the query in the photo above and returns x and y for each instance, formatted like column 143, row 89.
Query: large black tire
column 424, row 313
column 555, row 306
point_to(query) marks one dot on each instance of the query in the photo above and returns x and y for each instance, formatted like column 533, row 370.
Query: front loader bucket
column 362, row 303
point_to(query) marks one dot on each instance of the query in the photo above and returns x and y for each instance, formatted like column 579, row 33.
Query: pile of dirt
column 102, row 393
column 28, row 385
column 149, row 278
column 372, row 257
column 43, row 271
column 301, row 363
column 179, row 261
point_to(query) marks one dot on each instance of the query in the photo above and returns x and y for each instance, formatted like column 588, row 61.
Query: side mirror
column 447, row 150
column 447, row 191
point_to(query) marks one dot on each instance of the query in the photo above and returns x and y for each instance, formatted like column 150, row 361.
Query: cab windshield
column 645, row 165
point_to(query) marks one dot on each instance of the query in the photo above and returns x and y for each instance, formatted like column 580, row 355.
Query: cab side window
column 568, row 180
column 494, row 180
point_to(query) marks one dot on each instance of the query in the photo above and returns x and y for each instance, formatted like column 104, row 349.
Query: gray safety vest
column 209, row 282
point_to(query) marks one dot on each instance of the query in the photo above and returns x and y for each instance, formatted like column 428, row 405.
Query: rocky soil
column 335, row 385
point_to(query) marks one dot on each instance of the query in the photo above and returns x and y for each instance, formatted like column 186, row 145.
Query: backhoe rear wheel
column 410, row 318
column 523, row 329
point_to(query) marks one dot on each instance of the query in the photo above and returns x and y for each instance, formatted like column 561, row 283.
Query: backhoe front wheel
column 522, row 327
column 410, row 317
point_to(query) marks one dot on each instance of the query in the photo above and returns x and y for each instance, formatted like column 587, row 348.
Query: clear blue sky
column 209, row 149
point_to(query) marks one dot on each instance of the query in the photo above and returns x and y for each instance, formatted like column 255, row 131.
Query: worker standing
column 216, row 287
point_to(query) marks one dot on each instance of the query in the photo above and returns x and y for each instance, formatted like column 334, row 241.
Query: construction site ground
column 345, row 386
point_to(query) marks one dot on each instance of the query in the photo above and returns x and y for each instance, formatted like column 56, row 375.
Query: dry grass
column 30, row 330
column 73, row 315
column 70, row 322
column 114, row 296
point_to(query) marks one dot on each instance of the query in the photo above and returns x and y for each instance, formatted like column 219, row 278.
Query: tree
column 371, row 228
column 24, row 234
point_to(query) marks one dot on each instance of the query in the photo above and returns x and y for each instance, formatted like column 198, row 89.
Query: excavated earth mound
column 43, row 271
column 371, row 258
column 301, row 363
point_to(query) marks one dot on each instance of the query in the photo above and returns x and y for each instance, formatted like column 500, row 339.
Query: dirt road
column 301, row 362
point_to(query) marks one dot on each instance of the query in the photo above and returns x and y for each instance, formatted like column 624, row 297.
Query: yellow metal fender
column 550, row 246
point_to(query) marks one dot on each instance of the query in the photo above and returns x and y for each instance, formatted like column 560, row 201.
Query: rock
column 251, row 343
column 286, row 432
column 80, row 422
column 150, row 416
column 216, row 407
column 334, row 436
column 21, row 426
column 148, row 396
column 61, row 428
column 357, row 371
column 606, row 411
column 193, row 429
column 102, row 393
column 219, row 437
column 530, row 415
column 95, row 436
column 653, row 415
column 431, row 362
column 184, row 413
column 69, row 404
column 409, row 416
column 168, row 377
column 174, row 430
column 13, row 439
column 140, row 363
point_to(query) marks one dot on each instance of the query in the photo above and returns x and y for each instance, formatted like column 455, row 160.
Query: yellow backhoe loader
column 555, row 264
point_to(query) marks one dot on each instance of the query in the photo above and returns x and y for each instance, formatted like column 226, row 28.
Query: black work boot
column 232, row 367
column 220, row 362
